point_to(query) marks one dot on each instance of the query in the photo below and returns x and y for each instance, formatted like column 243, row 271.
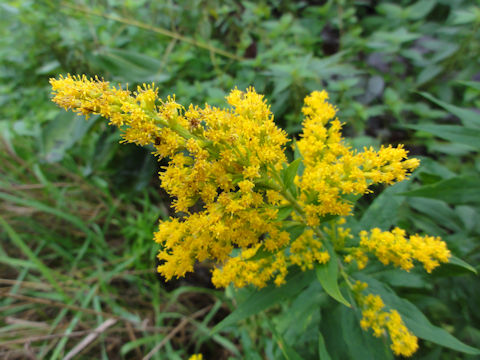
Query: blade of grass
column 16, row 263
column 46, row 272
column 59, row 348
column 48, row 209
column 19, row 281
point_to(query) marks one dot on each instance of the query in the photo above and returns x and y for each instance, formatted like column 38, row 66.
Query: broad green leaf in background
column 470, row 218
column 382, row 213
column 267, row 297
column 457, row 190
column 433, row 170
column 287, row 351
column 420, row 9
column 454, row 133
column 439, row 211
column 472, row 84
column 62, row 133
column 469, row 118
column 428, row 73
column 344, row 339
column 303, row 312
column 465, row 16
column 404, row 279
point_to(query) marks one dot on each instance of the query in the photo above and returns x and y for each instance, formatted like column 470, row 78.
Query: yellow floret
column 394, row 247
column 383, row 322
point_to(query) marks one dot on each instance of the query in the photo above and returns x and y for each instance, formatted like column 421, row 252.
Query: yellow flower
column 383, row 322
column 394, row 247
column 227, row 162
column 332, row 170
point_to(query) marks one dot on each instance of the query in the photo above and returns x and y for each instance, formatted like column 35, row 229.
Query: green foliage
column 327, row 275
column 77, row 214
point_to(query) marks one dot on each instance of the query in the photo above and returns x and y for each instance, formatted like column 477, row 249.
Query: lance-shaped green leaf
column 288, row 175
column 469, row 118
column 457, row 190
column 327, row 275
column 322, row 348
column 267, row 297
column 454, row 133
column 284, row 212
column 460, row 263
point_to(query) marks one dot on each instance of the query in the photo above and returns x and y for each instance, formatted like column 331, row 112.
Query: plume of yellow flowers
column 333, row 170
column 383, row 322
column 393, row 247
column 259, row 214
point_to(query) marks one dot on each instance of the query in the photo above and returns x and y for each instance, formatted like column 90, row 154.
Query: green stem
column 180, row 130
column 344, row 274
column 279, row 186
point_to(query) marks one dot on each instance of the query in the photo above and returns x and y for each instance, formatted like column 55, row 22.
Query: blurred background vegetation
column 77, row 209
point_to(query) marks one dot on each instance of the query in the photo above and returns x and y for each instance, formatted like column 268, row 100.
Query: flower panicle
column 332, row 170
column 226, row 173
column 129, row 111
column 396, row 248
column 228, row 161
column 384, row 322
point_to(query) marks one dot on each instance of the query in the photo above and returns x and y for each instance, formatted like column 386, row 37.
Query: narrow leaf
column 289, row 173
column 284, row 212
column 463, row 264
column 327, row 275
column 454, row 133
column 44, row 270
column 469, row 118
column 322, row 348
column 457, row 190
column 267, row 297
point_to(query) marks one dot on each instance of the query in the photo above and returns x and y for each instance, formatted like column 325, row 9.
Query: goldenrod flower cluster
column 196, row 357
column 393, row 247
column 222, row 158
column 130, row 113
column 228, row 160
column 231, row 164
column 384, row 322
column 332, row 170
